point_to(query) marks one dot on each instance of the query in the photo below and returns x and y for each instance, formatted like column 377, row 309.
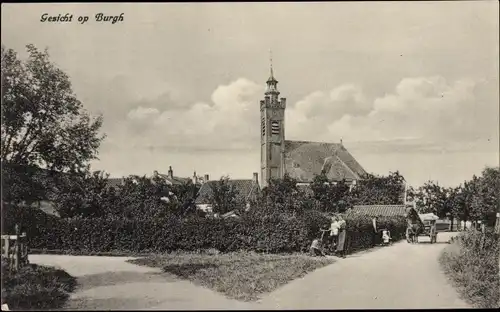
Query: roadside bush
column 471, row 262
column 35, row 287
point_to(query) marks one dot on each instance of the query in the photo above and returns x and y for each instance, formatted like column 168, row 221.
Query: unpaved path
column 401, row 276
column 110, row 283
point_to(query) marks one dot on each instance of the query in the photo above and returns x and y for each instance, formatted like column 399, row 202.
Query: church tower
column 272, row 136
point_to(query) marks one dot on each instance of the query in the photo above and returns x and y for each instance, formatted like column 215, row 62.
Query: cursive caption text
column 68, row 18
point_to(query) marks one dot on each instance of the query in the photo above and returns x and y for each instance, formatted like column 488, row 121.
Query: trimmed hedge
column 360, row 230
column 276, row 233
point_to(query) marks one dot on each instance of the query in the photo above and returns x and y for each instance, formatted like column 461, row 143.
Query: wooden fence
column 15, row 249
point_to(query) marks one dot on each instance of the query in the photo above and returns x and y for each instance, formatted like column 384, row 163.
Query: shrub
column 275, row 232
column 471, row 262
column 35, row 287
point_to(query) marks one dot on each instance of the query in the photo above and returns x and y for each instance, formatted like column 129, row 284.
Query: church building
column 301, row 160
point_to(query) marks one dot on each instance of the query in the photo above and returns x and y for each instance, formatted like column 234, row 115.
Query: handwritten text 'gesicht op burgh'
column 68, row 18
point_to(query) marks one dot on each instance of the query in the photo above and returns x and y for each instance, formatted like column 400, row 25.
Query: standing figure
column 342, row 237
column 433, row 232
column 375, row 232
column 334, row 232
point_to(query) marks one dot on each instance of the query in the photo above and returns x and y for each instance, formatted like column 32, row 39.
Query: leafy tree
column 490, row 193
column 224, row 196
column 461, row 209
column 82, row 194
column 379, row 190
column 342, row 199
column 484, row 199
column 186, row 194
column 284, row 195
column 332, row 197
column 281, row 190
column 476, row 199
column 473, row 197
column 43, row 123
column 22, row 183
column 321, row 189
column 143, row 197
column 433, row 198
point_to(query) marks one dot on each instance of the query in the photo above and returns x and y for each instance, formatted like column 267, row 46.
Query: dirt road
column 400, row 276
column 111, row 283
column 403, row 276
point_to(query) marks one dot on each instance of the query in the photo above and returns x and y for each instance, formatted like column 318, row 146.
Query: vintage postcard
column 250, row 155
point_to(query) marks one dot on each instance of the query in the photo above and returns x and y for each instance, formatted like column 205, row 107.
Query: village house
column 247, row 191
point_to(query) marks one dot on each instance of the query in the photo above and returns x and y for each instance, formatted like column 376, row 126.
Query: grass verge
column 472, row 269
column 239, row 275
column 35, row 287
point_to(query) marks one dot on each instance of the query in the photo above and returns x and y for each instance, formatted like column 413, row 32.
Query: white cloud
column 228, row 121
column 422, row 109
column 426, row 108
column 141, row 113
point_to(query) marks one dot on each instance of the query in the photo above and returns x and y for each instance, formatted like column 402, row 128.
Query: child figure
column 386, row 236
column 315, row 248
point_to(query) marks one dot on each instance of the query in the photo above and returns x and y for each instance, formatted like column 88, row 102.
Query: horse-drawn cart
column 424, row 225
column 429, row 228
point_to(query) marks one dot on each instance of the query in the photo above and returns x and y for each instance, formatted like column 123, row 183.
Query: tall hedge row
column 277, row 233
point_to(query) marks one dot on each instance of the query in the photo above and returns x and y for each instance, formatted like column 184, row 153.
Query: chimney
column 170, row 172
column 256, row 177
column 206, row 178
column 122, row 181
column 195, row 178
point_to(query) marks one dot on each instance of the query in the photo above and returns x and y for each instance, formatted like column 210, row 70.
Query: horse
column 412, row 233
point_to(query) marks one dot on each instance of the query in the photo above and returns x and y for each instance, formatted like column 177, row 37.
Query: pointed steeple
column 272, row 83
column 271, row 77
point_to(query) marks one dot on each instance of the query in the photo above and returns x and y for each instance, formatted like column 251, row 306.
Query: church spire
column 272, row 83
column 271, row 64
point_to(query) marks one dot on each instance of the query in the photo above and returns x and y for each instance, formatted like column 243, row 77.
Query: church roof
column 304, row 160
column 244, row 188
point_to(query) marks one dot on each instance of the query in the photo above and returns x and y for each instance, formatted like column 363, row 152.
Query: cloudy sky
column 408, row 86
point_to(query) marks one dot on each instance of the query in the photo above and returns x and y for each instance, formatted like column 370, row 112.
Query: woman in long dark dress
column 341, row 241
